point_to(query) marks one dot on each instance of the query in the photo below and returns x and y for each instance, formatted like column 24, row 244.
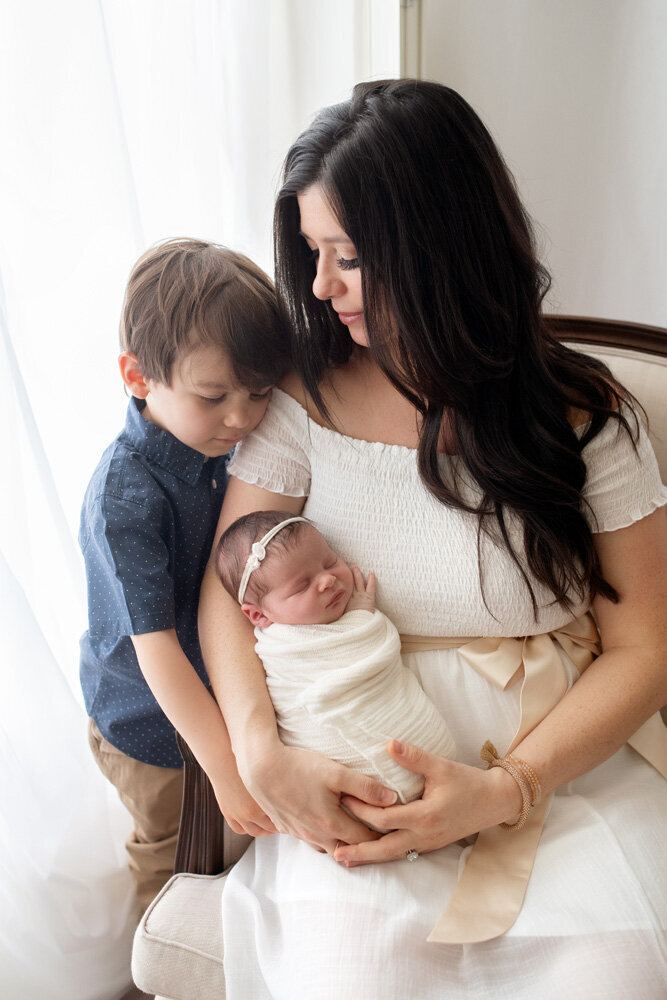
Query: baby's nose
column 326, row 581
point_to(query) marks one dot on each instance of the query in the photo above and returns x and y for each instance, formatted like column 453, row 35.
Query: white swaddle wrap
column 342, row 690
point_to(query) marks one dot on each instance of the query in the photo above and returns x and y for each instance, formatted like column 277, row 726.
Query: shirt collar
column 162, row 448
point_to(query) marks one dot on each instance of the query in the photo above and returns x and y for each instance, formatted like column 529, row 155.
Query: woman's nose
column 327, row 283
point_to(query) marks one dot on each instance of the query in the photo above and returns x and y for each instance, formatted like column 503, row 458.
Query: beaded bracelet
column 523, row 774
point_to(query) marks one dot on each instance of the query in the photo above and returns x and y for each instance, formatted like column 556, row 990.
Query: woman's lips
column 349, row 318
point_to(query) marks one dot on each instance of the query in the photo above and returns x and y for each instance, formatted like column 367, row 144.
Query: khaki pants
column 153, row 797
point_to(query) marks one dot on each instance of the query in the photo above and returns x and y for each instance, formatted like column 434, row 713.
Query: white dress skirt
column 296, row 925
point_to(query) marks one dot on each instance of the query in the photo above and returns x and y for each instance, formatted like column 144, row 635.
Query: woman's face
column 338, row 276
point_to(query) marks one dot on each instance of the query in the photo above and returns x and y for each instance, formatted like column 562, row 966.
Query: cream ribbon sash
column 490, row 892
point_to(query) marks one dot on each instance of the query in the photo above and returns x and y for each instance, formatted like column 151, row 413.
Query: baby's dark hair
column 184, row 293
column 235, row 543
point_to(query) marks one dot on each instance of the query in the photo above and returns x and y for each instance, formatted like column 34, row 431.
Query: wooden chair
column 178, row 945
column 206, row 844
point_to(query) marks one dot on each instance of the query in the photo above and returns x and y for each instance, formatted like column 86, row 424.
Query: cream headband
column 258, row 552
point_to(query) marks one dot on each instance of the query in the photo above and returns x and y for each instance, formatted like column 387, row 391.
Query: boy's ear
column 256, row 615
column 132, row 375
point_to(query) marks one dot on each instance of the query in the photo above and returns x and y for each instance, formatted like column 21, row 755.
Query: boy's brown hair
column 184, row 293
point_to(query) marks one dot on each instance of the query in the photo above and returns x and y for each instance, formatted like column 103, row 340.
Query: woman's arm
column 614, row 697
column 299, row 791
column 628, row 682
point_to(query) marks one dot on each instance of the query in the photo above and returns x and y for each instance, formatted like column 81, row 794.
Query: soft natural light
column 126, row 122
column 123, row 123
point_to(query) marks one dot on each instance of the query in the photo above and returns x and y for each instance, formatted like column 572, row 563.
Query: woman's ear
column 132, row 375
column 256, row 615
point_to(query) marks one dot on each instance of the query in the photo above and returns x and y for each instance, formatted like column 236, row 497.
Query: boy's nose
column 236, row 418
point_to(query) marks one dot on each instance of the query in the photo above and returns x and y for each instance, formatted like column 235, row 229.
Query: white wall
column 574, row 92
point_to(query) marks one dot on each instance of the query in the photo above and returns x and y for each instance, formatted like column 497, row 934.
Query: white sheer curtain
column 122, row 122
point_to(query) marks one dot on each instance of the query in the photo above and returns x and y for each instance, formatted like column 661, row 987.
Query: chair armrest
column 200, row 849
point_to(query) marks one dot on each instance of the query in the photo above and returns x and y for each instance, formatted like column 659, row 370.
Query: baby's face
column 308, row 584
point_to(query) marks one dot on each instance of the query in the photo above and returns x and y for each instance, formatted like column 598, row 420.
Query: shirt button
column 214, row 484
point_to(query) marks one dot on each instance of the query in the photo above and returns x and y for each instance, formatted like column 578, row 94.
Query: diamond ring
column 411, row 855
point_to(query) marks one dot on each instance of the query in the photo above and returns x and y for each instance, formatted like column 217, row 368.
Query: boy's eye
column 212, row 399
column 261, row 395
column 347, row 263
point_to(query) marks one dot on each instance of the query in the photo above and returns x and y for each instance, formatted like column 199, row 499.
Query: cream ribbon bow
column 489, row 895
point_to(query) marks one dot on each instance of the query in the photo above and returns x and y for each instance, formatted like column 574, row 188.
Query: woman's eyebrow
column 338, row 238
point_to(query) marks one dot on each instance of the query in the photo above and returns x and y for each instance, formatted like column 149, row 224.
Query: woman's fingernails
column 388, row 797
column 398, row 747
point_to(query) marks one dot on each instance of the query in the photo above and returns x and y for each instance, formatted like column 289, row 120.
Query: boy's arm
column 193, row 711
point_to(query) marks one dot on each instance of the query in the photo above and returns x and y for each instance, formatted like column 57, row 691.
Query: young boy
column 333, row 663
column 202, row 343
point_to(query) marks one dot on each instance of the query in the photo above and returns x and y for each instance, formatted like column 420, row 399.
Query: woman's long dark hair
column 452, row 293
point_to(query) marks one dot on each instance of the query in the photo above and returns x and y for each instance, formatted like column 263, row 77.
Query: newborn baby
column 333, row 662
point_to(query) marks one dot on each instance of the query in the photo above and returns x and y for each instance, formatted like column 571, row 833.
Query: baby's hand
column 363, row 595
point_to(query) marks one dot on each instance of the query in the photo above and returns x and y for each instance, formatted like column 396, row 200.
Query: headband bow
column 258, row 553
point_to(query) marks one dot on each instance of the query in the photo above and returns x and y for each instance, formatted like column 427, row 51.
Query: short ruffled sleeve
column 623, row 485
column 276, row 456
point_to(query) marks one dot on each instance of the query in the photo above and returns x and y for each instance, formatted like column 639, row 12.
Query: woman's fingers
column 414, row 758
column 368, row 790
column 341, row 825
column 353, row 832
column 385, row 819
column 391, row 847
column 301, row 792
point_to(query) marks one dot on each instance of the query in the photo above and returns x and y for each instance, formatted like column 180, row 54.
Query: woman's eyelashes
column 347, row 263
column 344, row 263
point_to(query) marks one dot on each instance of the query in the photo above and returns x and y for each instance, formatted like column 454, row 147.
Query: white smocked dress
column 296, row 925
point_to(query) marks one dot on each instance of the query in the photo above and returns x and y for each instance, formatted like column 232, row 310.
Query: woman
column 498, row 484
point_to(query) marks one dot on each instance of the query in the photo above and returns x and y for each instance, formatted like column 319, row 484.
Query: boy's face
column 308, row 584
column 204, row 407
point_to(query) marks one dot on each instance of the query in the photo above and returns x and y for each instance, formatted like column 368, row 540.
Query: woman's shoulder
column 579, row 416
column 623, row 482
column 291, row 392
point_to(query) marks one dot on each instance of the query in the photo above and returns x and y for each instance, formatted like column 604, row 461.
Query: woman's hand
column 458, row 800
column 301, row 794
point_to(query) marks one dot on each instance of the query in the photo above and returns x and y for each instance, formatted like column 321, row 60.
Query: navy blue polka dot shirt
column 147, row 526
